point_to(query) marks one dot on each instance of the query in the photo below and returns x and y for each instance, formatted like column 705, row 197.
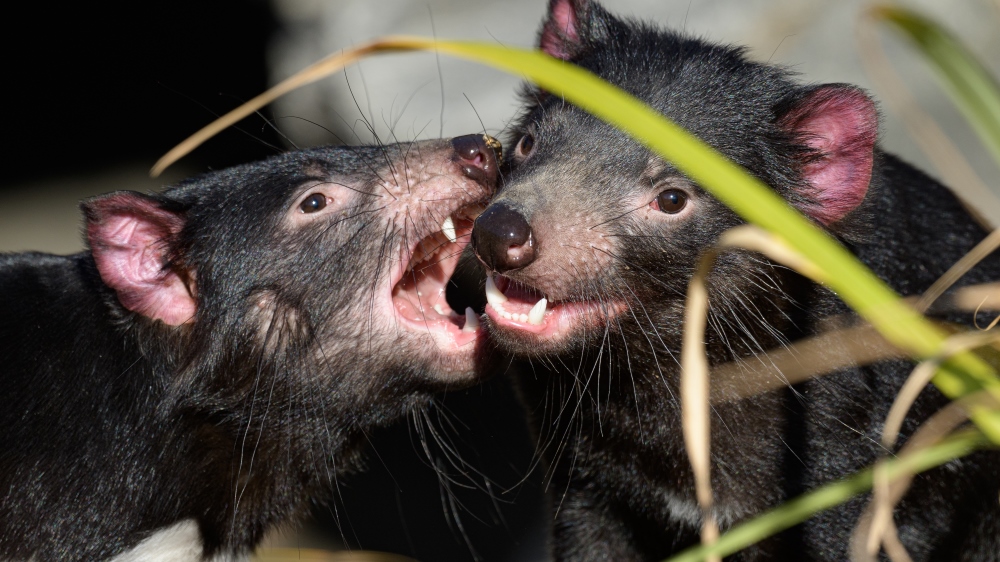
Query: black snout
column 478, row 155
column 502, row 238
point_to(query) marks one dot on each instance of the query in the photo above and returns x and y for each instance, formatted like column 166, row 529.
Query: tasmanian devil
column 595, row 240
column 207, row 369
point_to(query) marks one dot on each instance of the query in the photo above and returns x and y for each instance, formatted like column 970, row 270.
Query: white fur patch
column 181, row 542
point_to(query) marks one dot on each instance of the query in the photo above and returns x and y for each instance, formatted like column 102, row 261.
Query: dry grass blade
column 694, row 385
column 882, row 531
column 961, row 267
column 796, row 510
column 875, row 526
column 805, row 359
column 745, row 194
column 956, row 171
column 830, row 351
column 921, row 377
column 694, row 395
column 314, row 72
column 972, row 298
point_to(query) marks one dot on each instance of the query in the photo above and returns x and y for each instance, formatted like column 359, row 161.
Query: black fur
column 604, row 400
column 117, row 425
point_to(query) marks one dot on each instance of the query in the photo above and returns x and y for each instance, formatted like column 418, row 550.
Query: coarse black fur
column 603, row 397
column 120, row 420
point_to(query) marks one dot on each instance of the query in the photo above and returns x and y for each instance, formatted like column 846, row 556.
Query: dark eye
column 525, row 145
column 313, row 203
column 670, row 201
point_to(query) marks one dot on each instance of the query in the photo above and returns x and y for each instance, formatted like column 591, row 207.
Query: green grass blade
column 752, row 199
column 971, row 86
column 757, row 203
column 799, row 509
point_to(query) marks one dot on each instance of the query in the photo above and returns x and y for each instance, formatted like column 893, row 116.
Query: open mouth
column 418, row 295
column 522, row 308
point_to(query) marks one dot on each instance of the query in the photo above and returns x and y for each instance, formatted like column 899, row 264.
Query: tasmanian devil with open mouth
column 591, row 243
column 207, row 369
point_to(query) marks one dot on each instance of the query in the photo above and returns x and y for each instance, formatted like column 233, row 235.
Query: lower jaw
column 562, row 327
column 455, row 366
column 439, row 343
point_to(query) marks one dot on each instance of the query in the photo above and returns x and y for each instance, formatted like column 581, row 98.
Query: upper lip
column 408, row 253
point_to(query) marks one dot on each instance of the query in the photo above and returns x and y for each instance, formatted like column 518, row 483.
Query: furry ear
column 565, row 28
column 839, row 124
column 130, row 237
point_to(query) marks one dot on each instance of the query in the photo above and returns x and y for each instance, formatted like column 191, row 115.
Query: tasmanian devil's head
column 327, row 266
column 591, row 232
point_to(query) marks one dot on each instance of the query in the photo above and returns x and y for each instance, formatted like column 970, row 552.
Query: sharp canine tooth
column 471, row 321
column 537, row 312
column 493, row 295
column 448, row 228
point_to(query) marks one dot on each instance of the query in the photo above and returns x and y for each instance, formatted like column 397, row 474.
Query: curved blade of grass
column 694, row 383
column 745, row 194
column 310, row 74
column 794, row 511
column 974, row 90
column 753, row 200
column 956, row 171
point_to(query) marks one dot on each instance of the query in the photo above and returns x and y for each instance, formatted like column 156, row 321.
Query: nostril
column 478, row 155
column 502, row 238
column 518, row 253
column 467, row 146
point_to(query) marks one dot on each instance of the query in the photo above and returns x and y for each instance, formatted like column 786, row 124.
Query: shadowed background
column 96, row 93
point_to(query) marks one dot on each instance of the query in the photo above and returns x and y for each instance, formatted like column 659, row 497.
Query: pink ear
column 560, row 35
column 840, row 124
column 129, row 235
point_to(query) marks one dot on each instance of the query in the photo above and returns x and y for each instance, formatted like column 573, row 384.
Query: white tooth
column 537, row 312
column 448, row 228
column 507, row 315
column 439, row 310
column 522, row 317
column 471, row 321
column 493, row 295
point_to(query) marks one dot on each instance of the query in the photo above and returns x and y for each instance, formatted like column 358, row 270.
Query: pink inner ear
column 560, row 30
column 128, row 237
column 841, row 124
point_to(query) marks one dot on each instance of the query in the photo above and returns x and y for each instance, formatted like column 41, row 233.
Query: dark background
column 93, row 86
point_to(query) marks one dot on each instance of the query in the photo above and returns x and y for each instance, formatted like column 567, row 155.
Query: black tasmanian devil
column 207, row 369
column 595, row 239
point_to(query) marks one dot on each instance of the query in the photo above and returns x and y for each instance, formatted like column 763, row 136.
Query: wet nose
column 502, row 238
column 478, row 156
